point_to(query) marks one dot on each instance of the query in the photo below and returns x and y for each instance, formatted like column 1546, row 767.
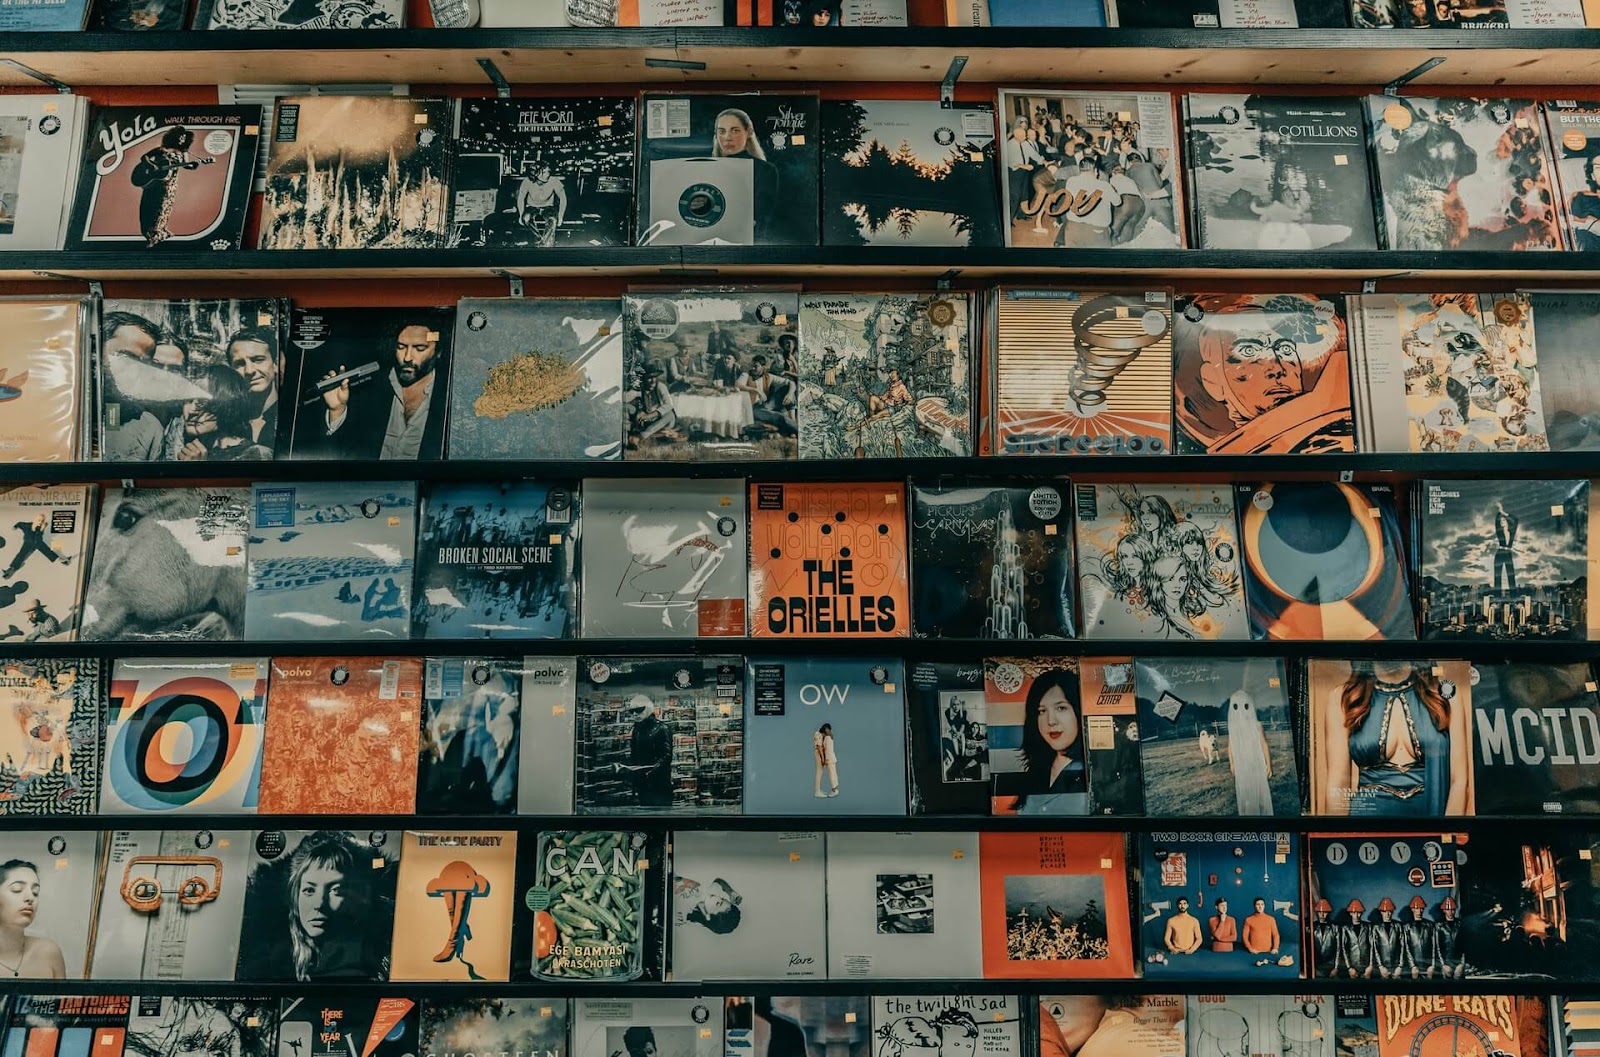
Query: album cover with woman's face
column 748, row 906
column 47, row 883
column 901, row 905
column 948, row 738
column 50, row 756
column 1034, row 714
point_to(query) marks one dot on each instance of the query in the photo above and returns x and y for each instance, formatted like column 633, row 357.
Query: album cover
column 64, row 1025
column 1220, row 906
column 1487, row 14
column 1568, row 394
column 908, row 172
column 1159, row 561
column 42, row 369
column 1266, row 1025
column 664, row 558
column 1112, row 396
column 343, row 738
column 1399, row 1025
column 542, row 172
column 1278, row 172
column 711, row 375
column 1216, row 737
column 537, row 375
column 60, row 16
column 1229, row 14
column 1362, row 884
column 1091, row 170
column 357, row 172
column 47, row 881
column 184, row 736
column 168, row 564
column 331, row 560
column 453, row 904
column 816, row 750
column 739, row 169
column 171, row 905
column 138, row 15
column 1473, row 538
column 885, row 376
column 1537, row 739
column 359, row 368
column 900, row 906
column 300, row 14
column 659, row 735
column 799, row 1026
column 680, row 1027
column 169, row 178
column 356, row 1027
column 471, row 728
column 41, row 147
column 1577, row 1026
column 498, row 561
column 549, row 716
column 829, row 561
column 168, row 1026
column 50, row 756
column 971, row 1024
column 1054, row 905
column 1033, row 711
column 44, row 545
column 748, row 906
column 189, row 380
column 1462, row 174
column 948, row 726
column 1324, row 560
column 571, row 870
column 1574, row 131
column 1530, row 903
column 1111, row 735
column 1115, row 1025
column 991, row 560
column 536, row 1027
column 1354, row 771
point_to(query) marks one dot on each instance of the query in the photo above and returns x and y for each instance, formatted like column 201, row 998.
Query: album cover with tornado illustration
column 453, row 906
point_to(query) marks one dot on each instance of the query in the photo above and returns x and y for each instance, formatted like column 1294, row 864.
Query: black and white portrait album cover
column 949, row 738
column 903, row 905
column 748, row 906
column 647, row 1027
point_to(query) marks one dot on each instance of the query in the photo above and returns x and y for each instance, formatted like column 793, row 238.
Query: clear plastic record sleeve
column 41, row 148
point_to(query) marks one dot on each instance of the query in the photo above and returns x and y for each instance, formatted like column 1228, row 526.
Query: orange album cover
column 1054, row 905
column 829, row 561
column 452, row 905
column 342, row 736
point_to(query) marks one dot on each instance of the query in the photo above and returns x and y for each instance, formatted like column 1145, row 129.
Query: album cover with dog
column 44, row 370
column 748, row 906
column 49, row 878
column 471, row 733
column 1055, row 905
column 948, row 743
column 642, row 1027
column 453, row 906
column 371, row 1027
column 900, row 906
column 1537, row 728
column 50, row 757
column 44, row 547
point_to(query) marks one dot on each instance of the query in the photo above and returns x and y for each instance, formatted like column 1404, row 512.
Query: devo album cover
column 44, row 545
column 453, row 906
column 1360, row 884
column 43, row 369
column 948, row 738
column 50, row 757
column 471, row 733
column 1537, row 729
column 47, row 885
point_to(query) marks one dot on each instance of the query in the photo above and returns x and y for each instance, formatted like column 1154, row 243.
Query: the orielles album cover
column 44, row 547
column 50, row 758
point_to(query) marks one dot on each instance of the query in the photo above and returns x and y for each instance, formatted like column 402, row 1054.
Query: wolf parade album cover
column 829, row 561
column 1111, row 735
column 738, row 169
column 1385, row 905
column 171, row 905
column 1223, row 909
column 987, row 1025
column 357, row 172
column 344, row 736
column 1537, row 729
column 1398, row 1025
column 65, row 1025
column 799, row 1026
column 42, row 371
column 50, row 757
column 470, row 740
column 320, row 905
column 991, row 560
column 908, row 172
column 1091, row 170
column 171, row 179
column 1530, row 902
column 711, row 374
column 331, row 559
column 885, row 376
column 948, row 746
column 1574, row 131
column 184, row 736
column 1501, row 560
column 1261, row 373
column 1101, row 1025
column 900, row 906
column 811, row 748
column 41, row 147
column 1278, row 172
column 300, row 14
column 1216, row 737
column 683, row 1027
column 168, row 564
column 358, row 1027
column 167, row 1026
column 664, row 559
column 542, row 172
column 536, row 1027
column 1324, row 560
column 453, row 905
column 1568, row 394
column 537, row 374
column 1054, row 905
column 548, row 700
column 659, row 735
column 362, row 368
column 1159, row 561
column 1110, row 394
column 748, row 906
column 1462, row 174
column 44, row 548
column 1034, row 736
column 48, row 883
column 570, row 872
column 1264, row 1025
column 498, row 561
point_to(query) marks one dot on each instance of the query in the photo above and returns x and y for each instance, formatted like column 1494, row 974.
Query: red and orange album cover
column 453, row 904
column 1054, row 905
column 829, row 561
column 1442, row 1025
column 342, row 736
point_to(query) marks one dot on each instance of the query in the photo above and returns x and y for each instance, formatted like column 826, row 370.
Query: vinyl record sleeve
column 44, row 539
column 949, row 740
column 549, row 716
column 343, row 737
column 536, row 1027
column 1574, row 132
column 1055, row 905
column 453, row 906
column 986, row 1025
column 168, row 564
column 1125, row 1025
column 685, row 1027
column 184, row 736
column 54, row 876
column 331, row 560
column 900, row 906
column 45, row 16
column 370, row 1027
column 41, row 143
column 168, row 179
column 1275, row 1025
column 568, row 873
column 1111, row 735
column 664, row 559
column 537, row 375
column 1033, row 710
column 137, row 16
column 800, row 1026
column 1229, row 14
column 749, row 906
column 50, row 757
column 1577, row 1025
column 300, row 14
column 39, row 1024
column 144, row 932
column 1529, row 902
column 1395, row 1025
column 42, row 371
column 471, row 730
column 1569, row 392
column 166, row 1026
column 1386, row 904
column 1108, row 392
column 1537, row 739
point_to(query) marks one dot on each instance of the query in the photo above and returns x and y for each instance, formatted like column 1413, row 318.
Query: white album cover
column 903, row 905
column 649, row 1027
column 748, row 906
column 544, row 766
column 41, row 140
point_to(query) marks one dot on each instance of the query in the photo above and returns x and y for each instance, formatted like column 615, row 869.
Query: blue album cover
column 825, row 737
column 1221, row 908
column 469, row 749
column 1385, row 905
column 1034, row 13
column 498, row 561
column 43, row 16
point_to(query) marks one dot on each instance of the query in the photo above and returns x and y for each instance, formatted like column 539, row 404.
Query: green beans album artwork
column 590, row 905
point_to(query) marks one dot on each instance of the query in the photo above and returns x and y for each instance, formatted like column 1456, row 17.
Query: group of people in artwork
column 1223, row 933
column 1166, row 568
column 770, row 378
column 1355, row 947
